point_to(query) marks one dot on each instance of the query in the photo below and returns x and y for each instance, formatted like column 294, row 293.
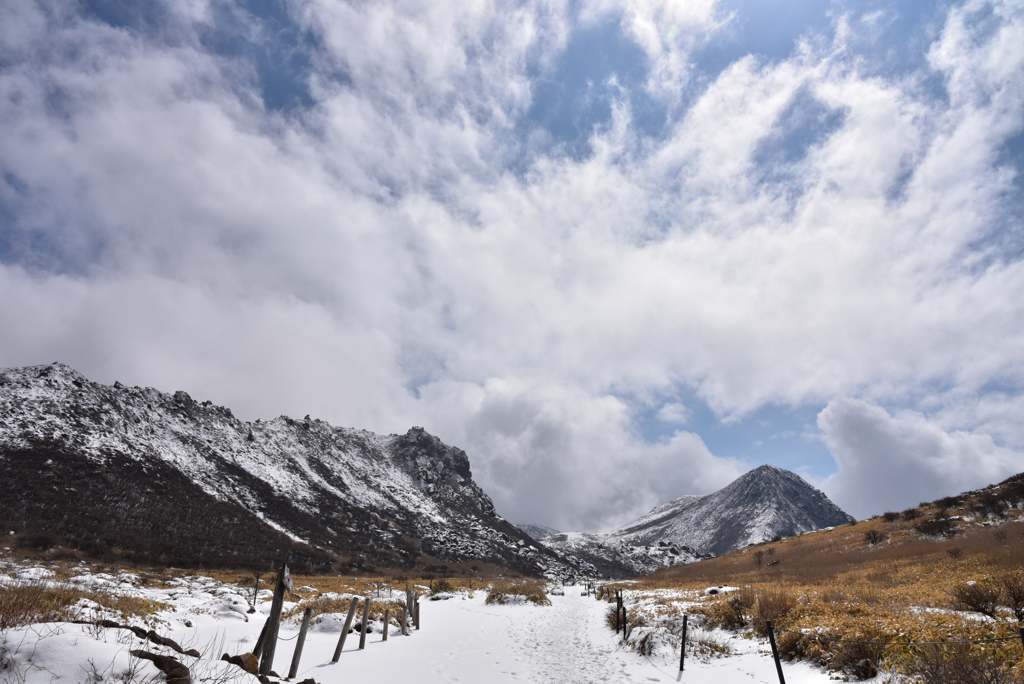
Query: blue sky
column 619, row 251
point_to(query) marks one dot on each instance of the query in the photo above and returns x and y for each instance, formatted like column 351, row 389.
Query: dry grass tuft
column 506, row 591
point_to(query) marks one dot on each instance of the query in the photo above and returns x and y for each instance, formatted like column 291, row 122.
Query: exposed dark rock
column 174, row 671
column 246, row 661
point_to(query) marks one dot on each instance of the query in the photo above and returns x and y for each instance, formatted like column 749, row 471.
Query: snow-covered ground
column 461, row 640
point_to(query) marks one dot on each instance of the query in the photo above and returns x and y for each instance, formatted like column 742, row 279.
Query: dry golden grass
column 43, row 602
column 504, row 591
column 837, row 585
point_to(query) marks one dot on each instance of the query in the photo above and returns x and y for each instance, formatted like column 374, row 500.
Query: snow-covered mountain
column 764, row 503
column 134, row 472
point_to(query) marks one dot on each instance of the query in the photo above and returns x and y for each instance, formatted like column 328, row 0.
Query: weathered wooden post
column 416, row 614
column 387, row 623
column 775, row 651
column 366, row 618
column 306, row 616
column 255, row 592
column 405, row 632
column 682, row 649
column 269, row 645
column 258, row 649
column 344, row 631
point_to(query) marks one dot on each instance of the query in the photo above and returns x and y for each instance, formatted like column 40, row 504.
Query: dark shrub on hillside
column 937, row 527
column 989, row 505
column 911, row 514
column 36, row 541
column 874, row 537
column 1012, row 492
column 890, row 516
column 979, row 597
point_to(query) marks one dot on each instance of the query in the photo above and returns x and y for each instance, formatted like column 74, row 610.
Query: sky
column 619, row 251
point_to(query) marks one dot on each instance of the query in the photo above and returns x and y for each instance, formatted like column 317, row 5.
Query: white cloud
column 559, row 454
column 674, row 413
column 895, row 462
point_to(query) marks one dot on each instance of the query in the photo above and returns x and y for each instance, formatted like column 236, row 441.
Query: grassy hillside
column 948, row 570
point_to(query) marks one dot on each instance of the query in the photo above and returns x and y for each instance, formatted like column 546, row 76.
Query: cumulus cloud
column 893, row 462
column 411, row 247
column 563, row 455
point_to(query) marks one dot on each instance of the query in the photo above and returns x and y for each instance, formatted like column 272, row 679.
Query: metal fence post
column 775, row 652
column 682, row 648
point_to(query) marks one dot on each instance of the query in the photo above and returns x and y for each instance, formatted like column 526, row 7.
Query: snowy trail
column 561, row 647
column 462, row 640
column 565, row 643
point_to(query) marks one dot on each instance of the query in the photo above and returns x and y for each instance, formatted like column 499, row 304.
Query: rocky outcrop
column 155, row 477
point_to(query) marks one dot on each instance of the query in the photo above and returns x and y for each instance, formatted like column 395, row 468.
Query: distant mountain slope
column 537, row 531
column 761, row 504
column 162, row 478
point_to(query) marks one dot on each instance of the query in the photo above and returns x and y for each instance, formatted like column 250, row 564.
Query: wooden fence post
column 366, row 618
column 405, row 632
column 416, row 615
column 262, row 639
column 387, row 623
column 775, row 651
column 269, row 646
column 682, row 648
column 302, row 640
column 344, row 631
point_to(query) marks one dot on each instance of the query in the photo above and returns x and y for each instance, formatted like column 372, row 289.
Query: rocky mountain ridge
column 157, row 477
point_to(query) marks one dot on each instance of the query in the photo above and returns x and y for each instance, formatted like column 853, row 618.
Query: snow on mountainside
column 759, row 505
column 135, row 472
column 537, row 531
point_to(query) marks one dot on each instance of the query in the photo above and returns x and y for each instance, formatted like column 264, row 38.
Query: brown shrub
column 859, row 655
column 911, row 514
column 732, row 612
column 937, row 527
column 511, row 590
column 873, row 537
column 773, row 604
column 1011, row 587
column 977, row 597
column 890, row 516
column 958, row 664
